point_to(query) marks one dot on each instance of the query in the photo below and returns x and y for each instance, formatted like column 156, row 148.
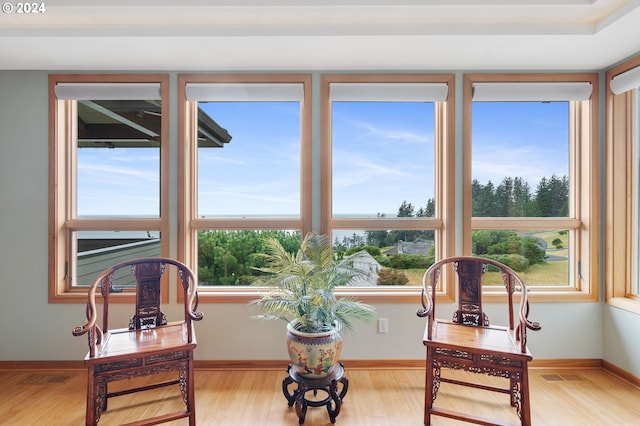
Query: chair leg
column 525, row 409
column 188, row 392
column 192, row 396
column 96, row 397
column 428, row 390
column 91, row 400
column 520, row 395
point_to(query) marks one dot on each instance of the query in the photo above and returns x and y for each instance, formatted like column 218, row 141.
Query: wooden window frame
column 444, row 221
column 189, row 223
column 62, row 175
column 584, row 181
column 622, row 192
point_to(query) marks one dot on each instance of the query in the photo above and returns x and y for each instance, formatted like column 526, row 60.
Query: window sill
column 409, row 294
column 625, row 303
column 547, row 295
column 370, row 295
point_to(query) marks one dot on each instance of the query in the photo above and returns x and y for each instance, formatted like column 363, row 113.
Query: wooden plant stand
column 329, row 385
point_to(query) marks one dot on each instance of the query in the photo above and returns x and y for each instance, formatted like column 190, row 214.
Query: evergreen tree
column 552, row 196
column 428, row 211
column 484, row 204
column 503, row 199
column 406, row 210
column 377, row 238
column 521, row 197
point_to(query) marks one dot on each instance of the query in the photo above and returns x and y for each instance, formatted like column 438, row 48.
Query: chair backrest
column 470, row 310
column 148, row 313
column 147, row 273
column 467, row 271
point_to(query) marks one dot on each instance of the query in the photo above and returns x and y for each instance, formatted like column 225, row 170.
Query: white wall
column 621, row 339
column 33, row 329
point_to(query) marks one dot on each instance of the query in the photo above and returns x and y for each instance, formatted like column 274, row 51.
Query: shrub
column 372, row 250
column 409, row 261
column 392, row 277
column 514, row 261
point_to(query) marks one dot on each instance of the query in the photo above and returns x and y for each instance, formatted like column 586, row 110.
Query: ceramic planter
column 313, row 354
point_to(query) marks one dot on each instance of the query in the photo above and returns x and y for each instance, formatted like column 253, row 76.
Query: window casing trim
column 62, row 179
column 584, row 183
column 621, row 192
column 444, row 221
column 188, row 220
column 60, row 128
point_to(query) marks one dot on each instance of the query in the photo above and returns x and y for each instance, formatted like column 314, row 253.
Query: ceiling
column 305, row 35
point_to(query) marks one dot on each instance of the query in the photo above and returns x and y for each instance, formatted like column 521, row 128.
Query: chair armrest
column 91, row 327
column 191, row 305
column 90, row 312
column 524, row 310
column 426, row 304
column 429, row 279
column 525, row 323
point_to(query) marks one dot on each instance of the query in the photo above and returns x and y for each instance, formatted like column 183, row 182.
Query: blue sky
column 118, row 182
column 258, row 172
column 383, row 154
column 525, row 139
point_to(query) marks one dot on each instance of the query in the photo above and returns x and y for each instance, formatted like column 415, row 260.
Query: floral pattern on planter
column 313, row 354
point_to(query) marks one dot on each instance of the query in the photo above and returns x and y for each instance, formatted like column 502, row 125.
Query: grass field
column 554, row 272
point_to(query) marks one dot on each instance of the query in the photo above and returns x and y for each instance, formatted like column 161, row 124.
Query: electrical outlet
column 383, row 326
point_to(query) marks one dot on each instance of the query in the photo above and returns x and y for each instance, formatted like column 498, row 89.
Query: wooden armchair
column 470, row 343
column 149, row 345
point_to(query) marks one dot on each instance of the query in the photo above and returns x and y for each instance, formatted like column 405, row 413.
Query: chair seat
column 124, row 342
column 495, row 340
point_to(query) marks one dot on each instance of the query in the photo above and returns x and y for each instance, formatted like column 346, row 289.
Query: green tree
column 405, row 210
column 552, row 196
column 377, row 238
column 491, row 243
column 483, row 202
column 521, row 197
column 429, row 210
column 229, row 257
column 503, row 199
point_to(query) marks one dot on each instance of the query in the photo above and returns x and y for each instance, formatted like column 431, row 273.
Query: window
column 391, row 182
column 387, row 174
column 529, row 200
column 623, row 186
column 244, row 172
column 108, row 175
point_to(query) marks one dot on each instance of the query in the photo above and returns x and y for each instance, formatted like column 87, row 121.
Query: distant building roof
column 363, row 261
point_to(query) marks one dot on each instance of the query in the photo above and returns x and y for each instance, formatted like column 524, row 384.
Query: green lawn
column 551, row 273
column 554, row 273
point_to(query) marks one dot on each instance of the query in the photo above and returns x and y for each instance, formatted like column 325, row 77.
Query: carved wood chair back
column 150, row 344
column 492, row 349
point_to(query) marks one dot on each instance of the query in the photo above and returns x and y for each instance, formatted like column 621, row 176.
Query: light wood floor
column 392, row 397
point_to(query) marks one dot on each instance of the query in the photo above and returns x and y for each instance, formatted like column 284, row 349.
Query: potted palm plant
column 301, row 291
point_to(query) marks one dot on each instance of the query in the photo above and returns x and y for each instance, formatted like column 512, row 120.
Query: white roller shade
column 107, row 91
column 628, row 80
column 389, row 92
column 244, row 92
column 542, row 91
